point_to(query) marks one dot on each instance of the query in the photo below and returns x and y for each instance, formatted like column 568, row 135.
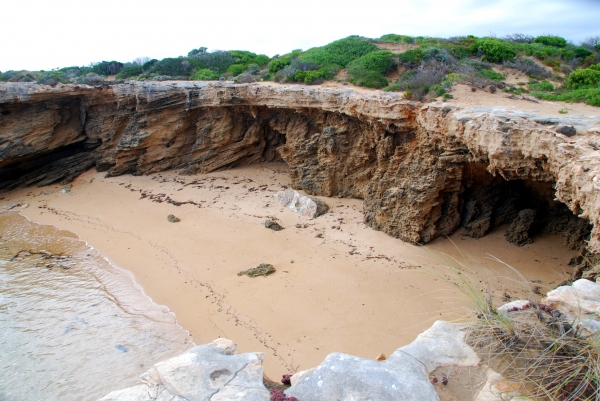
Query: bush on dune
column 341, row 52
column 108, row 67
column 583, row 78
column 131, row 71
column 493, row 50
column 398, row 39
column 204, row 75
column 549, row 40
column 370, row 69
column 217, row 61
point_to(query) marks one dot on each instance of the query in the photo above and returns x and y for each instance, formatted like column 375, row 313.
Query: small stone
column 381, row 357
column 272, row 225
column 566, row 130
column 65, row 189
column 12, row 205
column 172, row 219
column 264, row 269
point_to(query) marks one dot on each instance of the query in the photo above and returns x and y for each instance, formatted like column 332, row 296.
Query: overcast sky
column 46, row 34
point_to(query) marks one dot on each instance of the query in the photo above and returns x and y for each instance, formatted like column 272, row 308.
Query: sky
column 47, row 34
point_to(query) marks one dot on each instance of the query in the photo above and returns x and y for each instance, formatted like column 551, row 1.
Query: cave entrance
column 273, row 140
column 528, row 207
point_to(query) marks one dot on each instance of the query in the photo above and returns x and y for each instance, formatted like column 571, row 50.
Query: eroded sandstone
column 423, row 170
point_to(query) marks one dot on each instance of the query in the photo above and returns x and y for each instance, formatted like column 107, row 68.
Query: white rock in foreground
column 580, row 302
column 302, row 204
column 206, row 372
column 405, row 376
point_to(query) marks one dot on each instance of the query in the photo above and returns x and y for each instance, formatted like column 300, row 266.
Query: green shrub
column 555, row 41
column 315, row 76
column 341, row 52
column 582, row 52
column 491, row 75
column 173, row 67
column 399, row 39
column 583, row 78
column 393, row 88
column 457, row 51
column 537, row 50
column 131, row 71
column 494, row 50
column 370, row 69
column 439, row 91
column 595, row 67
column 204, row 75
column 236, row 69
column 413, row 56
column 278, row 65
column 380, row 61
column 311, row 76
column 51, row 78
column 108, row 68
column 217, row 61
column 19, row 76
column 590, row 96
column 544, row 86
column 597, row 47
column 149, row 64
column 246, row 58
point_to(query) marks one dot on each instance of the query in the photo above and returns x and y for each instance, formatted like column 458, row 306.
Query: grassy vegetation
column 398, row 39
column 339, row 53
column 532, row 345
column 370, row 70
column 558, row 69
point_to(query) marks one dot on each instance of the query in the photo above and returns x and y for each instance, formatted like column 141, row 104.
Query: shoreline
column 359, row 280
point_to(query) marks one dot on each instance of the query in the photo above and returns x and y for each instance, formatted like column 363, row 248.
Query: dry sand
column 339, row 286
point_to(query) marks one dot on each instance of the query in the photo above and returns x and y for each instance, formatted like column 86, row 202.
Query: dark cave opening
column 273, row 139
column 528, row 207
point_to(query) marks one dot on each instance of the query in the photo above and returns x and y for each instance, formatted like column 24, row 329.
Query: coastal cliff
column 423, row 170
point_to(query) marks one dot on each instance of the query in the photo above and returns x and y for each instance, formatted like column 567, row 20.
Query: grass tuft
column 533, row 345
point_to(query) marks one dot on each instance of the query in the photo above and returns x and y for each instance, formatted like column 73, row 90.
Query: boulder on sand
column 302, row 204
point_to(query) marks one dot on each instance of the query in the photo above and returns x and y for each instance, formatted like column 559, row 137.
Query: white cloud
column 41, row 34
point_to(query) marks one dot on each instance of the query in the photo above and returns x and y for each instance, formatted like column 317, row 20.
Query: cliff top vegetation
column 423, row 68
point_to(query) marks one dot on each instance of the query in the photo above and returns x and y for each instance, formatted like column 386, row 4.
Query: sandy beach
column 339, row 286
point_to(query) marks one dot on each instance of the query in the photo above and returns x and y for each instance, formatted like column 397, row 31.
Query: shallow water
column 72, row 325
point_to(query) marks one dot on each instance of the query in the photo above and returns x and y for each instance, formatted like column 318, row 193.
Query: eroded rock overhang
column 423, row 170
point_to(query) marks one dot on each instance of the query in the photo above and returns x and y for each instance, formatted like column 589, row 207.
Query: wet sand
column 339, row 286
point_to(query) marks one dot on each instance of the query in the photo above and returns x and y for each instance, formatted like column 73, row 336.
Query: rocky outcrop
column 214, row 372
column 423, row 170
column 206, row 372
column 404, row 376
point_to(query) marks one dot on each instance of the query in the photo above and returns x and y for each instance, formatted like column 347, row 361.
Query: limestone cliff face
column 422, row 170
